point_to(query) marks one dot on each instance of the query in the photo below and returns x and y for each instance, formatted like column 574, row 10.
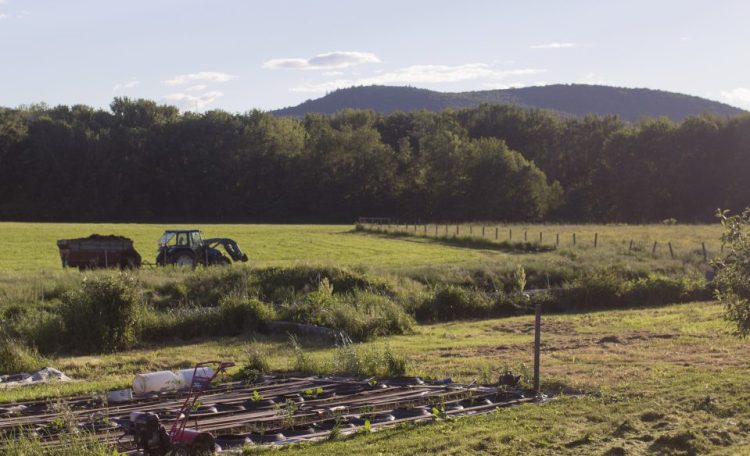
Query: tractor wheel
column 184, row 260
column 179, row 449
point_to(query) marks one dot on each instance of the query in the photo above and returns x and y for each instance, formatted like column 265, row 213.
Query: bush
column 180, row 323
column 607, row 290
column 256, row 365
column 454, row 303
column 208, row 287
column 238, row 313
column 16, row 358
column 308, row 278
column 349, row 359
column 360, row 315
column 733, row 271
column 102, row 315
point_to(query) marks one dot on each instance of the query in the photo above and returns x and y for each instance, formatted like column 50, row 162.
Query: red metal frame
column 198, row 385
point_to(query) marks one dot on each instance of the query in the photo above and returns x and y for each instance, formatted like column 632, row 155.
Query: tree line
column 141, row 161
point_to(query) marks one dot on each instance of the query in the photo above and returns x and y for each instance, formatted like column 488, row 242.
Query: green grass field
column 668, row 380
column 32, row 246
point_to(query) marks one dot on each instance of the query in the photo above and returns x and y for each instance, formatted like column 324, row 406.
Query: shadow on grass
column 465, row 242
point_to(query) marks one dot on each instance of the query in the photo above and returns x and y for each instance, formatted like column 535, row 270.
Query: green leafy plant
column 733, row 270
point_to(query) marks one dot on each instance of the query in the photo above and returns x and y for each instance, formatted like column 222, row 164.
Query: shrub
column 360, row 315
column 208, row 287
column 349, row 359
column 255, row 366
column 102, row 315
column 16, row 358
column 180, row 323
column 733, row 271
column 453, row 303
column 238, row 313
column 302, row 361
column 306, row 278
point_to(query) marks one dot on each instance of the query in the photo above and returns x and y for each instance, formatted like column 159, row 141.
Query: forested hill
column 140, row 161
column 575, row 99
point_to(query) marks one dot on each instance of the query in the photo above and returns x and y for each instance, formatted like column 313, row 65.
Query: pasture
column 662, row 379
column 31, row 246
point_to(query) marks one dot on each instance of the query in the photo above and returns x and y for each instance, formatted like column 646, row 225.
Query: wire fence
column 552, row 236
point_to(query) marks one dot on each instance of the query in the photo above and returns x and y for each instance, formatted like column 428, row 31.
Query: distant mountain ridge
column 574, row 99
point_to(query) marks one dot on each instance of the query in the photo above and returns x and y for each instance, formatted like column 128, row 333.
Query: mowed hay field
column 32, row 246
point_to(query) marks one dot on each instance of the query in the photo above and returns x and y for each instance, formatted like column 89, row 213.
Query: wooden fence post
column 705, row 254
column 596, row 239
column 482, row 230
column 653, row 249
column 540, row 237
column 557, row 240
column 457, row 230
column 574, row 239
column 630, row 247
column 470, row 230
column 537, row 343
column 525, row 236
column 671, row 252
column 510, row 234
column 496, row 232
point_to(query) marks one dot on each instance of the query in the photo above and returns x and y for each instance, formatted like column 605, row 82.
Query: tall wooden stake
column 537, row 343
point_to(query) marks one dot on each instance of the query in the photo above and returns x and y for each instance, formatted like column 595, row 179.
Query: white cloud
column 554, row 46
column 196, row 88
column 740, row 96
column 326, row 61
column 3, row 16
column 187, row 102
column 207, row 76
column 422, row 74
column 126, row 85
column 513, row 85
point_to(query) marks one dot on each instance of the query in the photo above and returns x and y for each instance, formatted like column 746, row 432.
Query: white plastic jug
column 153, row 382
column 186, row 375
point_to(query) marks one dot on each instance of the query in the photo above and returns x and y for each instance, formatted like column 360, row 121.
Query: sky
column 242, row 55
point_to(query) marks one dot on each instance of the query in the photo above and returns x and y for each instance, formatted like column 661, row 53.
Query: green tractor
column 187, row 248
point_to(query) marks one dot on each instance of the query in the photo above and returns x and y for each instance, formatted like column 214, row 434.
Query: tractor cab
column 181, row 238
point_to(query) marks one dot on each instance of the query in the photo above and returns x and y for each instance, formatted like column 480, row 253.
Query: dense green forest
column 148, row 162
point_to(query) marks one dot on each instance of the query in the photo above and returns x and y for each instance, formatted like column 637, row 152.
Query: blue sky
column 240, row 55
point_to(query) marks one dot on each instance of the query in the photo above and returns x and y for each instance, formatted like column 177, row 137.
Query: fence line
column 392, row 226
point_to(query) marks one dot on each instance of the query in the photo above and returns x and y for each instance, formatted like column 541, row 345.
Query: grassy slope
column 674, row 380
